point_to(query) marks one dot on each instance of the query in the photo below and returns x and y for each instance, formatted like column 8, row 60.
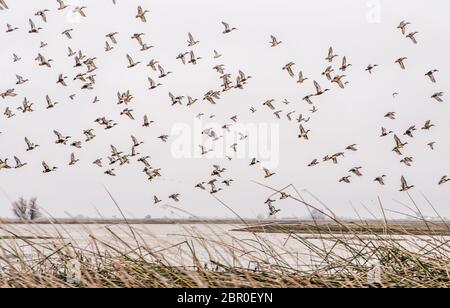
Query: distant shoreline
column 255, row 225
column 156, row 221
column 401, row 228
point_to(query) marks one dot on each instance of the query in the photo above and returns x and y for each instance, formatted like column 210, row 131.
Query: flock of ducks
column 336, row 75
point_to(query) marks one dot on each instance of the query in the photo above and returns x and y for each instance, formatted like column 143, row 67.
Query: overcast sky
column 364, row 31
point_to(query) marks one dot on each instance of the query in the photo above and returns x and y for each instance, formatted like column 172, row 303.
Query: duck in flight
column 303, row 133
column 217, row 55
column 398, row 145
column 428, row 125
column 62, row 5
column 21, row 80
column 156, row 200
column 327, row 72
column 268, row 173
column 50, row 103
column 131, row 62
column 431, row 74
column 412, row 37
column 60, row 138
column 404, row 185
column 228, row 29
column 10, row 28
column 112, row 37
column 274, row 41
column 409, row 132
column 43, row 61
column 110, row 172
column 438, row 96
column 272, row 210
column 301, row 79
column 356, row 171
column 381, row 180
column 147, row 122
column 175, row 197
column 141, row 14
column 344, row 65
column 288, row 68
column 67, row 33
column 331, row 55
column 191, row 41
column 30, row 145
column 153, row 84
column 319, row 90
column 385, row 133
column 26, row 106
column 73, row 160
column 391, row 115
column 19, row 163
column 352, row 147
column 79, row 10
column 402, row 26
column 345, row 179
column 4, row 164
column 315, row 162
column 47, row 168
column 162, row 72
column 407, row 161
column 16, row 58
column 444, row 180
column 33, row 28
column 194, row 59
column 371, row 67
column 338, row 80
column 401, row 62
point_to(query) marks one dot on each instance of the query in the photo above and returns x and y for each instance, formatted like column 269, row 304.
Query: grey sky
column 307, row 29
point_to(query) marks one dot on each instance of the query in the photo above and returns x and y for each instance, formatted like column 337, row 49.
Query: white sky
column 307, row 29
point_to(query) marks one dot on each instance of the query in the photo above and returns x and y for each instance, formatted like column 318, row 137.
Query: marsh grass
column 323, row 259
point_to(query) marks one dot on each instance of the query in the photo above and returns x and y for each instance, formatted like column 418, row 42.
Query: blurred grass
column 336, row 262
column 317, row 254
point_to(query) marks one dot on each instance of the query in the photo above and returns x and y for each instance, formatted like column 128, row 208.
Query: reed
column 318, row 256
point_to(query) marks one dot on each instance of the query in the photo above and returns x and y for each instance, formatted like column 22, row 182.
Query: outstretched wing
column 226, row 25
column 18, row 162
column 130, row 59
column 404, row 183
column 58, row 134
column 302, row 129
column 161, row 70
column 114, row 150
column 152, row 83
column 397, row 140
column 27, row 141
column 318, row 87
